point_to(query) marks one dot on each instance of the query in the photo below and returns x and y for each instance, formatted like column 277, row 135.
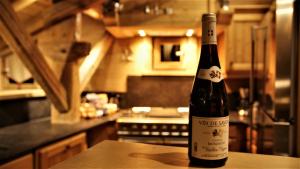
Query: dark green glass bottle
column 208, row 116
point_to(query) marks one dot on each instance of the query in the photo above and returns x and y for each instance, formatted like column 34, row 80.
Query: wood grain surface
column 117, row 155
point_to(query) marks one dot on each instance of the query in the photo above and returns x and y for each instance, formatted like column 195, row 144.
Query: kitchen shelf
column 24, row 93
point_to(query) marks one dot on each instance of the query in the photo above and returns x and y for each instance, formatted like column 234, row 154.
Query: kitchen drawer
column 25, row 162
column 60, row 151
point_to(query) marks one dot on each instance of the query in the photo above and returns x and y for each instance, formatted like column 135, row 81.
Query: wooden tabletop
column 121, row 155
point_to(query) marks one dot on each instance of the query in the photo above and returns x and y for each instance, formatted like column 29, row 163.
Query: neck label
column 213, row 74
column 209, row 34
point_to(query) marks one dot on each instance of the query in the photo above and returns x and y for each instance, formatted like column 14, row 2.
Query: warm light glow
column 225, row 7
column 284, row 2
column 179, row 53
column 284, row 83
column 142, row 33
column 117, row 5
column 142, row 55
column 288, row 10
column 284, row 6
column 190, row 56
column 140, row 109
column 89, row 61
column 282, row 100
column 243, row 112
column 182, row 109
column 92, row 13
column 189, row 32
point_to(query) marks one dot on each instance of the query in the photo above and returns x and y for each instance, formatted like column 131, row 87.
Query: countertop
column 121, row 155
column 18, row 140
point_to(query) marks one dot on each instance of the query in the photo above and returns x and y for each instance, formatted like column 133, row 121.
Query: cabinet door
column 25, row 162
column 237, row 137
column 60, row 151
column 238, row 46
column 107, row 131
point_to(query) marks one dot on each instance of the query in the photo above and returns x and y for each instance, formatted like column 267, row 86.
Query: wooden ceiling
column 165, row 17
column 174, row 17
column 38, row 15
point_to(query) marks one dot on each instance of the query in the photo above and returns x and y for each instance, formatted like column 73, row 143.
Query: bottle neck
column 209, row 56
column 209, row 34
column 209, row 66
column 209, row 50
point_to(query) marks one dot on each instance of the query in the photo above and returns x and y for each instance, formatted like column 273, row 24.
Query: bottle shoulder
column 209, row 56
column 208, row 99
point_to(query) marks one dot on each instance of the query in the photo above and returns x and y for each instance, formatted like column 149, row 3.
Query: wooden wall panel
column 112, row 73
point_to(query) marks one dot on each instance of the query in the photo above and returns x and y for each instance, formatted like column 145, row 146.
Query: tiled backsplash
column 158, row 91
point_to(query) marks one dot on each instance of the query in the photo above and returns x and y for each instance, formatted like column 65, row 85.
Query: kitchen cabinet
column 107, row 131
column 241, row 37
column 238, row 137
column 238, row 46
column 265, row 139
column 24, row 162
column 60, row 151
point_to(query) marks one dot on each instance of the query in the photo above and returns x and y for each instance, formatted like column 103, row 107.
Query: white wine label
column 210, row 137
column 209, row 34
column 213, row 74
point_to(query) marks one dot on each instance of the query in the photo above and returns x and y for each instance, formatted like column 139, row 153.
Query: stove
column 158, row 126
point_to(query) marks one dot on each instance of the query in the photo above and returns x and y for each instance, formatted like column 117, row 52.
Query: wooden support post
column 92, row 61
column 70, row 80
column 22, row 44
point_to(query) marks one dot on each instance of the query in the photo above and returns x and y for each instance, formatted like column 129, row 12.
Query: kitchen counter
column 18, row 140
column 116, row 155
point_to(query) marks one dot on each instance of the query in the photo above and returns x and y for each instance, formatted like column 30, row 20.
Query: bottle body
column 208, row 117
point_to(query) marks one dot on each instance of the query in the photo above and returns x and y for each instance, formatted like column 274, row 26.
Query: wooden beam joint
column 78, row 50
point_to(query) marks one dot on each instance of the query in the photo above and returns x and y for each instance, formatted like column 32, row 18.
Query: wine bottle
column 208, row 116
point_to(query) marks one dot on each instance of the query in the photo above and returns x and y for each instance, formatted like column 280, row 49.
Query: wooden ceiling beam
column 22, row 4
column 92, row 61
column 49, row 17
column 21, row 43
column 70, row 80
column 5, row 52
column 58, row 12
column 79, row 50
column 250, row 6
column 248, row 17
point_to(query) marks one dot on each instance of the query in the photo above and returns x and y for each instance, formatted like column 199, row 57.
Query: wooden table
column 121, row 155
